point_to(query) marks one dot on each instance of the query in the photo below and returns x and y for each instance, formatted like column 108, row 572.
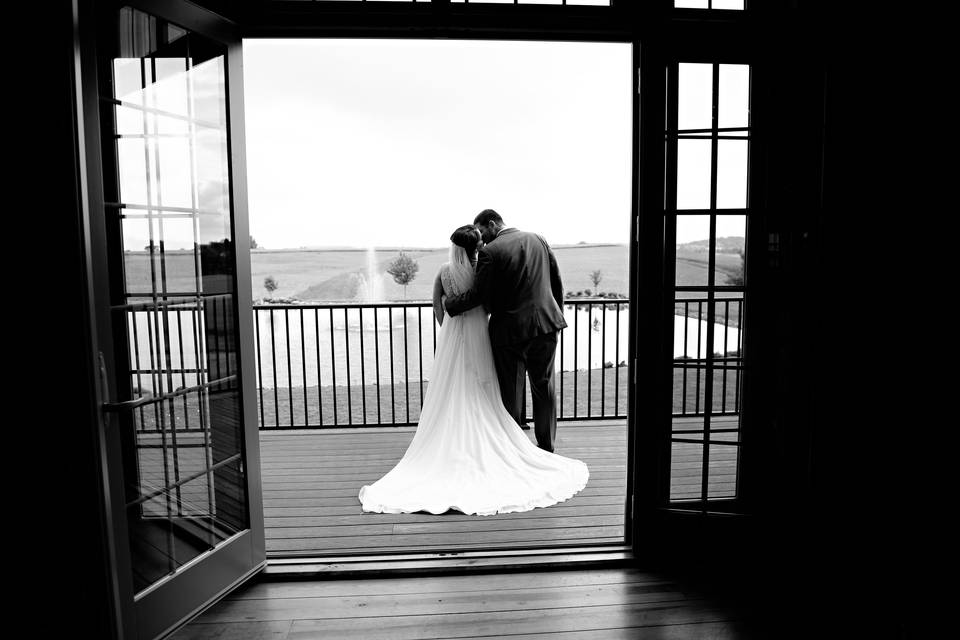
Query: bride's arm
column 438, row 299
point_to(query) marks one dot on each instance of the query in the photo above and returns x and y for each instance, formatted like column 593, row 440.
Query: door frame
column 659, row 34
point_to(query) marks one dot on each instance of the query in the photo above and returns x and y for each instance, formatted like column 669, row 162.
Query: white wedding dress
column 468, row 453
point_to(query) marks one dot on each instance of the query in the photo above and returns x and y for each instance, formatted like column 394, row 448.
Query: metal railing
column 369, row 364
column 335, row 365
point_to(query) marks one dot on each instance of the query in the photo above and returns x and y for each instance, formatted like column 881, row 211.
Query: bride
column 468, row 453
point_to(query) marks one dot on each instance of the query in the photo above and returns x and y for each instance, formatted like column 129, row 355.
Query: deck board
column 311, row 480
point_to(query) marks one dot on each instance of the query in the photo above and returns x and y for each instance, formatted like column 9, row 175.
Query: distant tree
column 596, row 277
column 737, row 278
column 404, row 270
column 270, row 284
column 253, row 243
column 588, row 292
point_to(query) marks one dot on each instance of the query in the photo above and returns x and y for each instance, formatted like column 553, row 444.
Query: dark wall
column 841, row 508
column 56, row 528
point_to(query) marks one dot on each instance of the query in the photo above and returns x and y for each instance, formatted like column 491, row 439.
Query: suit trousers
column 533, row 358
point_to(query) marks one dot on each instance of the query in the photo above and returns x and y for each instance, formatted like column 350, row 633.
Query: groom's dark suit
column 518, row 283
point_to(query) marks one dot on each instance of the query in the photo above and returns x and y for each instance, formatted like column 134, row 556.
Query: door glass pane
column 693, row 250
column 729, row 257
column 726, row 360
column 733, row 107
column 731, row 174
column 687, row 470
column 736, row 5
column 183, row 454
column 693, row 173
column 722, row 477
column 695, row 96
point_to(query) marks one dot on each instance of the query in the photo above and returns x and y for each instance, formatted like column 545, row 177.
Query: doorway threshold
column 307, row 568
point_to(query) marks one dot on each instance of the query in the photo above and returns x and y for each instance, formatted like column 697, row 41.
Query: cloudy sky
column 396, row 143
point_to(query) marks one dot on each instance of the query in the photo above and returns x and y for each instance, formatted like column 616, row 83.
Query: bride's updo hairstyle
column 467, row 237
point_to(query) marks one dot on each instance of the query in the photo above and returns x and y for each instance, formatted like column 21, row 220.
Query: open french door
column 161, row 118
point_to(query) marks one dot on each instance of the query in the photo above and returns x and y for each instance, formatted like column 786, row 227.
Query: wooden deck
column 311, row 480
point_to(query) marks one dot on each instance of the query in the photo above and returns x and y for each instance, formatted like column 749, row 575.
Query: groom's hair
column 487, row 216
column 467, row 237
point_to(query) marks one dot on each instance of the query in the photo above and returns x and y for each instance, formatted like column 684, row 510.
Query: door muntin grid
column 707, row 145
column 175, row 304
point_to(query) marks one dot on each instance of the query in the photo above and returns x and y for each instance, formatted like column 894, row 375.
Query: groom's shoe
column 525, row 426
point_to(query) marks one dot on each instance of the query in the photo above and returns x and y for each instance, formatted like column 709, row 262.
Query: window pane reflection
column 209, row 93
column 174, row 172
column 168, row 92
column 133, row 170
column 128, row 80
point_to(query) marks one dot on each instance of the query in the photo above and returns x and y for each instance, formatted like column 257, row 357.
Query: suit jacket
column 518, row 283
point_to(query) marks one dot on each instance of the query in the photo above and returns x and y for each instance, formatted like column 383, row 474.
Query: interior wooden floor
column 583, row 604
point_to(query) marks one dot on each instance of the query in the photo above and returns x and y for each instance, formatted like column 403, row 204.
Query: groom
column 518, row 283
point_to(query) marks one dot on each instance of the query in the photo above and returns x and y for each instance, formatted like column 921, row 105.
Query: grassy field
column 326, row 275
column 608, row 396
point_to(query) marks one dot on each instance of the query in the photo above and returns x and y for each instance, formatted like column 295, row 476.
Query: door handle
column 125, row 405
column 105, row 388
column 112, row 407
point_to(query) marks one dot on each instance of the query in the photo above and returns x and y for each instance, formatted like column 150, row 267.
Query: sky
column 395, row 143
column 398, row 142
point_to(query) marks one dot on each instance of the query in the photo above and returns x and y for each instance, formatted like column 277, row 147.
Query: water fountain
column 370, row 287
